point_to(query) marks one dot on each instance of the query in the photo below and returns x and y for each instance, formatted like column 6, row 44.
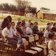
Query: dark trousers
column 12, row 42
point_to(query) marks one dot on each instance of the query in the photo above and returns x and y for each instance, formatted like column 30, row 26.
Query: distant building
column 29, row 15
column 46, row 14
column 30, row 12
column 12, row 12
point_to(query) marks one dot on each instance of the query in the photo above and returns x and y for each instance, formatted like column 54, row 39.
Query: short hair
column 13, row 22
column 50, row 36
column 9, row 18
column 36, row 22
column 19, row 30
column 54, row 24
column 48, row 23
column 31, row 23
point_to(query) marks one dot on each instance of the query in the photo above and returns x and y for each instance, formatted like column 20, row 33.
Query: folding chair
column 31, row 40
column 36, row 38
column 25, row 43
column 9, row 48
column 1, row 44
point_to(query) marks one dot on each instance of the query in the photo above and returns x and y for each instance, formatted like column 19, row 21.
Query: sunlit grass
column 42, row 22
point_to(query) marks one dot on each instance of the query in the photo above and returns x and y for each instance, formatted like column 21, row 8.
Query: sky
column 36, row 3
column 44, row 3
column 8, row 1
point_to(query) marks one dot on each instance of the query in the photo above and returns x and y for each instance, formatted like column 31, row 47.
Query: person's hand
column 18, row 45
column 22, row 49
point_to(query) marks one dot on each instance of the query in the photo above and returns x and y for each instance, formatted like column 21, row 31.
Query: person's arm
column 53, row 46
column 4, row 34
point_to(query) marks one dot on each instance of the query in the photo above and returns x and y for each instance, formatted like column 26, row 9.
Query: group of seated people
column 17, row 34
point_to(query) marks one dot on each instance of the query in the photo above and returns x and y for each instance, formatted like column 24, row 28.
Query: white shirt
column 7, row 32
column 14, row 30
column 46, row 36
column 28, row 30
column 50, row 44
column 55, row 42
column 46, row 33
column 27, row 24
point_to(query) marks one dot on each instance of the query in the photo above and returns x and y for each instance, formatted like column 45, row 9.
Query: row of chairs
column 5, row 47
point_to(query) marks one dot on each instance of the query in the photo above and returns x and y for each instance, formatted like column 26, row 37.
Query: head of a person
column 9, row 25
column 19, row 24
column 9, row 18
column 29, row 21
column 13, row 24
column 19, row 31
column 48, row 29
column 48, row 24
column 51, row 35
column 31, row 24
column 19, row 19
column 35, row 23
column 23, row 23
column 51, row 23
column 54, row 25
column 23, row 20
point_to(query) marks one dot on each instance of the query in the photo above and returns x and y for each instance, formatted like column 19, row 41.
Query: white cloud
column 44, row 3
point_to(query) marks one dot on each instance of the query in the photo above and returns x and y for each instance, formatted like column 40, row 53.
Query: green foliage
column 7, row 7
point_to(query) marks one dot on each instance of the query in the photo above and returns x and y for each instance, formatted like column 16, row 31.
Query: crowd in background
column 17, row 34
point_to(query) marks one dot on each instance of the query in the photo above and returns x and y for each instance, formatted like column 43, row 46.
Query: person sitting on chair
column 51, row 45
column 8, row 34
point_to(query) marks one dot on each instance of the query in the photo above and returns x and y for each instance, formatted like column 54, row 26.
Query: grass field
column 42, row 22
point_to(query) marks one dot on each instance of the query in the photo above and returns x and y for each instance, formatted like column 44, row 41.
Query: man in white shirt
column 29, row 30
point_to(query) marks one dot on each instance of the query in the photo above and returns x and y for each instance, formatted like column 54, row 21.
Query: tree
column 5, row 6
column 20, row 8
column 12, row 7
column 1, row 7
column 22, row 4
column 31, row 10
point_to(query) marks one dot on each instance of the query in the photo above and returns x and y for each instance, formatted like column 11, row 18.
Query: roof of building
column 48, row 11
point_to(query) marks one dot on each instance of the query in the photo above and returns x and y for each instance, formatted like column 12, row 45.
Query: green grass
column 42, row 22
